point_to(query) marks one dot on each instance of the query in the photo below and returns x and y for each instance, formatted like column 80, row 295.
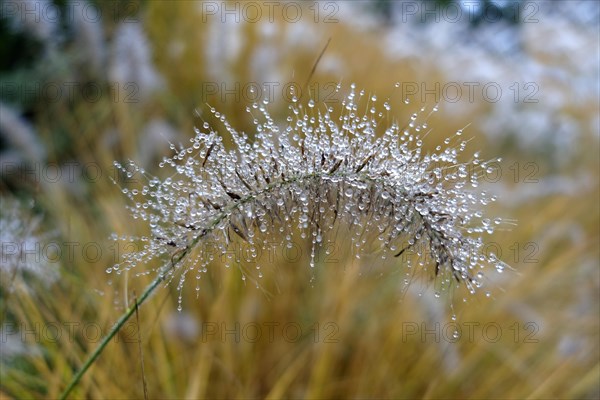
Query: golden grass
column 372, row 354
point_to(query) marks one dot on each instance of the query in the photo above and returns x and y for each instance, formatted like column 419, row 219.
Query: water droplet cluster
column 325, row 166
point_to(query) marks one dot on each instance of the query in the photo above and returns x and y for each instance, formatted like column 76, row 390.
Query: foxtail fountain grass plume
column 325, row 166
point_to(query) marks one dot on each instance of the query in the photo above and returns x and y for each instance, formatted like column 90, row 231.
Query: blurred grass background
column 548, row 311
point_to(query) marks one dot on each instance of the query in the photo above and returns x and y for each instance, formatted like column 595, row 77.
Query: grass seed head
column 325, row 166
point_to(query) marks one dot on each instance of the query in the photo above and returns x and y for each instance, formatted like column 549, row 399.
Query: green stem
column 114, row 330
